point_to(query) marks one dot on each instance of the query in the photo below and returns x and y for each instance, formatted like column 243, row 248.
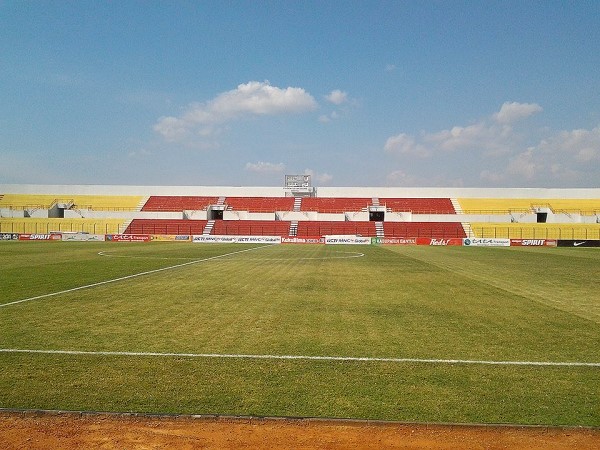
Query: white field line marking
column 346, row 256
column 128, row 277
column 307, row 358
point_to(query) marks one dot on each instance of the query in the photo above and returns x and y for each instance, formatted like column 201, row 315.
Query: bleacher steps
column 125, row 225
column 294, row 228
column 375, row 201
column 456, row 206
column 379, row 229
column 142, row 202
column 221, row 201
column 468, row 230
column 209, row 226
column 297, row 205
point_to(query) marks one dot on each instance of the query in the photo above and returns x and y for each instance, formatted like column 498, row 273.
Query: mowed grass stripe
column 563, row 278
column 173, row 263
column 383, row 305
column 345, row 389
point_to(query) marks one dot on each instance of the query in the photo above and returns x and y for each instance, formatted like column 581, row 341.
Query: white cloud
column 251, row 99
column 265, row 167
column 320, row 178
column 337, row 97
column 500, row 150
column 404, row 144
column 494, row 137
column 565, row 156
column 326, row 118
column 512, row 112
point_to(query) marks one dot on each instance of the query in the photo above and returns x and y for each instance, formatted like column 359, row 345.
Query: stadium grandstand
column 273, row 211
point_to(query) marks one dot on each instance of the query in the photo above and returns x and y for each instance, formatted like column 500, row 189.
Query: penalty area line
column 127, row 277
column 305, row 358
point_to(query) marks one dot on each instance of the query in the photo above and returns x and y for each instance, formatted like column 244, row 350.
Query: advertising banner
column 302, row 240
column 40, row 237
column 578, row 243
column 128, row 237
column 434, row 241
column 170, row 238
column 210, row 239
column 9, row 237
column 352, row 240
column 393, row 241
column 83, row 237
column 486, row 242
column 533, row 242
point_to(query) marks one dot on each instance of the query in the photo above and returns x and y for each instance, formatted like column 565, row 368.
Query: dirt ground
column 19, row 430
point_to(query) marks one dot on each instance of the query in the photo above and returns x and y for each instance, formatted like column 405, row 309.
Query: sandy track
column 75, row 431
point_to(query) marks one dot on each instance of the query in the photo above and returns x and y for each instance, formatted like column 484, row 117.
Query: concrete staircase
column 379, row 229
column 208, row 227
column 297, row 204
column 293, row 228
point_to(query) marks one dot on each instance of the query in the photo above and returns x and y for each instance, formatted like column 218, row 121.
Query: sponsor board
column 533, row 242
column 393, row 241
column 578, row 243
column 436, row 241
column 352, row 240
column 128, row 237
column 170, row 238
column 40, row 237
column 83, row 237
column 210, row 239
column 486, row 242
column 302, row 240
column 9, row 237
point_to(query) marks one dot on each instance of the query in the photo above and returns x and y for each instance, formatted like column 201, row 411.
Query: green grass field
column 420, row 303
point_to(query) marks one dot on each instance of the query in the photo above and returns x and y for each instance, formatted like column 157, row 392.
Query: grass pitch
column 441, row 303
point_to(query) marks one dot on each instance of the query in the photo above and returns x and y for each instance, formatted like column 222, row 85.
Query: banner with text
column 210, row 239
column 352, row 240
column 302, row 240
column 393, row 241
column 83, row 237
column 128, row 237
column 435, row 241
column 533, row 242
column 486, row 242
column 9, row 237
column 39, row 237
column 170, row 237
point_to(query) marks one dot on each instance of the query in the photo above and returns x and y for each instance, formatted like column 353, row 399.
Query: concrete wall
column 399, row 192
column 125, row 215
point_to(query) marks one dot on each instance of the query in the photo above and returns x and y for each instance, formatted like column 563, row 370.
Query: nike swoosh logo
column 577, row 244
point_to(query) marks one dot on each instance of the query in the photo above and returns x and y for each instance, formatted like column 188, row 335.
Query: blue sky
column 356, row 93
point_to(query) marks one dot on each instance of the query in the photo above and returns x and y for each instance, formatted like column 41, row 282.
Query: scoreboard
column 297, row 181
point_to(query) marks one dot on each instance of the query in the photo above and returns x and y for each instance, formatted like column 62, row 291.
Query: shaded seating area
column 252, row 227
column 260, row 204
column 335, row 204
column 175, row 203
column 322, row 228
column 166, row 226
column 419, row 205
column 536, row 230
column 424, row 229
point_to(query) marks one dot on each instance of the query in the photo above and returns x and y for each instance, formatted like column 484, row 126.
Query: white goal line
column 305, row 358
